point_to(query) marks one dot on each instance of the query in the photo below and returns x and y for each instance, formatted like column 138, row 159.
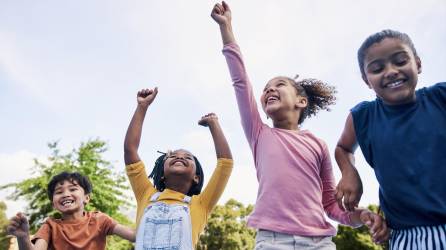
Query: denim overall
column 165, row 227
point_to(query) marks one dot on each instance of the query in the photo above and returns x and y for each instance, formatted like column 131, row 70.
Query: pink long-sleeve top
column 296, row 182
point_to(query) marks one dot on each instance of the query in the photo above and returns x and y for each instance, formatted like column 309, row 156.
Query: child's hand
column 18, row 226
column 349, row 189
column 208, row 120
column 221, row 13
column 377, row 226
column 146, row 96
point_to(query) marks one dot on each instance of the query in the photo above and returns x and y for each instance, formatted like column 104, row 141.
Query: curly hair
column 319, row 94
column 157, row 175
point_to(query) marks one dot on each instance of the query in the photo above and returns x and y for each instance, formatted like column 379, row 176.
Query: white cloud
column 16, row 167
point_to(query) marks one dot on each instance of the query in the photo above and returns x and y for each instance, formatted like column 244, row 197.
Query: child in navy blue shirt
column 402, row 135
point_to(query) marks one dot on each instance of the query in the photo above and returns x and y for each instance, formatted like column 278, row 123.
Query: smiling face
column 391, row 70
column 280, row 98
column 69, row 197
column 180, row 163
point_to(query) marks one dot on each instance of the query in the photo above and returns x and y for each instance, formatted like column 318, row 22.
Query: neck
column 288, row 120
column 73, row 216
column 178, row 185
column 287, row 123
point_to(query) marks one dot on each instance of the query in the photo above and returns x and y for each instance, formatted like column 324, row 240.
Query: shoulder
column 362, row 106
column 436, row 90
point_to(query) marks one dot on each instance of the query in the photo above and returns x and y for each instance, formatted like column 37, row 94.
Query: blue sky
column 70, row 70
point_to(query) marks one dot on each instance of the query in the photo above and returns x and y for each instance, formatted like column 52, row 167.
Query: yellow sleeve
column 139, row 180
column 216, row 185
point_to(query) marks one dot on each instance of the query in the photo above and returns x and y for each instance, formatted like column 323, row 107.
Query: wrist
column 142, row 107
column 348, row 169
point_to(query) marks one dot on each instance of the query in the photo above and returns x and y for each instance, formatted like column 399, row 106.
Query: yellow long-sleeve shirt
column 201, row 205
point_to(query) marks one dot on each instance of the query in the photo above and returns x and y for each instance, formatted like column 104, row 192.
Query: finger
column 346, row 198
column 382, row 235
column 226, row 6
column 339, row 195
column 155, row 92
column 377, row 223
column 351, row 201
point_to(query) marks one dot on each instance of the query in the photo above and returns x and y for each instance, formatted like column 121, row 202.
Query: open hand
column 221, row 13
column 18, row 226
column 146, row 96
column 208, row 120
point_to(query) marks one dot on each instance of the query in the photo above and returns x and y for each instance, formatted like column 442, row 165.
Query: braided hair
column 319, row 94
column 157, row 175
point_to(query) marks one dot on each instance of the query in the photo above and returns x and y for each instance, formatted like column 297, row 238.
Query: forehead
column 386, row 48
column 66, row 183
column 180, row 152
column 277, row 80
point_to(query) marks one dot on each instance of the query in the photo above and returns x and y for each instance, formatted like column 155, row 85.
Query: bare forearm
column 133, row 135
column 226, row 33
column 221, row 145
column 345, row 159
column 25, row 243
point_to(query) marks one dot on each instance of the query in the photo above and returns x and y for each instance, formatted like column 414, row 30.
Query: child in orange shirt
column 77, row 229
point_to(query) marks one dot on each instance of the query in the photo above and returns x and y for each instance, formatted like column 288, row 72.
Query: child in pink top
column 296, row 182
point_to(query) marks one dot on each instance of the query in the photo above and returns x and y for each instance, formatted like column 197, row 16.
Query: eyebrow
column 392, row 55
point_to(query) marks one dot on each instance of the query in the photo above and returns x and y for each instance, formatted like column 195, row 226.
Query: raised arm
column 217, row 183
column 221, row 145
column 133, row 136
column 221, row 13
column 349, row 188
column 19, row 227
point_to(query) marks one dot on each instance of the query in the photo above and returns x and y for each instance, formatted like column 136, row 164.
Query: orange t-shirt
column 88, row 233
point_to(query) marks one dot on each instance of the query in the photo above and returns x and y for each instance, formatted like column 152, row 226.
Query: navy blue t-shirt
column 406, row 147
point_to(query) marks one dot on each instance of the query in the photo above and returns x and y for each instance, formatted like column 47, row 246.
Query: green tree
column 226, row 228
column 108, row 186
column 4, row 238
column 356, row 238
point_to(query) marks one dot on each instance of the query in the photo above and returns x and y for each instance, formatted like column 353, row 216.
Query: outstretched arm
column 19, row 227
column 349, row 189
column 221, row 145
column 131, row 143
column 125, row 232
column 221, row 13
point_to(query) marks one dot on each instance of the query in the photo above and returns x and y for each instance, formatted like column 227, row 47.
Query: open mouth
column 178, row 163
column 271, row 99
column 394, row 84
column 67, row 203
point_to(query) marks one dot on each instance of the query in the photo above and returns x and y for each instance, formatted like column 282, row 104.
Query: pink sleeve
column 331, row 207
column 250, row 116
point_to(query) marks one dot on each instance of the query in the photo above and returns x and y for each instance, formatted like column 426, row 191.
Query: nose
column 270, row 89
column 391, row 72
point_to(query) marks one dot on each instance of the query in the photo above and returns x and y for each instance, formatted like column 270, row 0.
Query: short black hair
column 157, row 175
column 378, row 37
column 82, row 180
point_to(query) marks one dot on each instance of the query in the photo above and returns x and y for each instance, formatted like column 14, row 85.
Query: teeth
column 67, row 202
column 272, row 98
column 394, row 84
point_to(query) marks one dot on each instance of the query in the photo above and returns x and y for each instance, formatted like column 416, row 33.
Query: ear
column 196, row 179
column 418, row 62
column 87, row 199
column 301, row 102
